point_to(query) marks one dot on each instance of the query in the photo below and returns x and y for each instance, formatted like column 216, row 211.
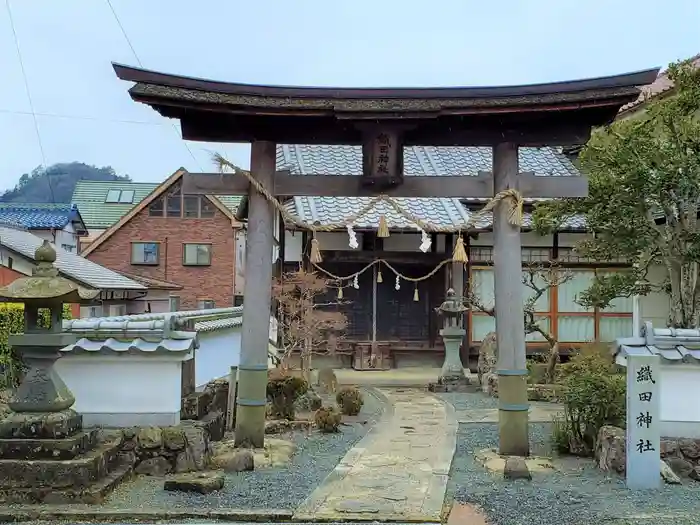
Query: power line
column 138, row 61
column 80, row 117
column 29, row 98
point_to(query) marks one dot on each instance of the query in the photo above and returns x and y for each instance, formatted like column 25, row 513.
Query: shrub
column 350, row 401
column 593, row 394
column 327, row 419
column 282, row 393
column 12, row 322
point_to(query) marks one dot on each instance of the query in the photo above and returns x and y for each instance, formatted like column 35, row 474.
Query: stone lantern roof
column 45, row 283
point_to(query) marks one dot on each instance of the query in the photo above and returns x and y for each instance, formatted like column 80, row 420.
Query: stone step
column 67, row 448
column 78, row 472
column 41, row 425
column 95, row 493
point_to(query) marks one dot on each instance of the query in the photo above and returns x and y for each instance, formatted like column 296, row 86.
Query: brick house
column 187, row 240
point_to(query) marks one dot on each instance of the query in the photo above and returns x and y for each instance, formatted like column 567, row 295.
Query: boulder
column 201, row 482
column 516, row 468
column 695, row 474
column 690, row 448
column 235, row 460
column 174, row 438
column 669, row 447
column 490, row 384
column 668, row 475
column 610, row 452
column 157, row 466
column 488, row 355
column 681, row 467
column 150, row 437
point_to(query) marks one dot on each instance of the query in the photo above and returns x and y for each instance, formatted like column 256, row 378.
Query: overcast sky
column 85, row 114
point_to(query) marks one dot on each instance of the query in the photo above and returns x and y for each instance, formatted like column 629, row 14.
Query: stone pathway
column 398, row 471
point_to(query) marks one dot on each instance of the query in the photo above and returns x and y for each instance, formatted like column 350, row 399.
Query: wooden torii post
column 383, row 122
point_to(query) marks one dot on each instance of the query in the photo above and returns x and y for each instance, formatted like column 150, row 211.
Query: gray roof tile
column 131, row 346
column 69, row 264
column 418, row 161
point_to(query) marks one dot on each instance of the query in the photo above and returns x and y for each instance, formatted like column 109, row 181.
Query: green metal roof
column 90, row 198
column 230, row 201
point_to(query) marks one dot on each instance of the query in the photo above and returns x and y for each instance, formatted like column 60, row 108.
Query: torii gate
column 383, row 121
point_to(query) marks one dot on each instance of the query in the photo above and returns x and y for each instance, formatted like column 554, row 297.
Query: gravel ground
column 577, row 493
column 272, row 488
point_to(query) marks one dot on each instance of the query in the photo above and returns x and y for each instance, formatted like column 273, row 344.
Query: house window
column 113, row 196
column 90, row 312
column 10, row 262
column 173, row 206
column 206, row 304
column 120, row 197
column 127, row 197
column 207, row 208
column 117, row 310
column 144, row 253
column 557, row 310
column 156, row 208
column 196, row 255
column 191, row 206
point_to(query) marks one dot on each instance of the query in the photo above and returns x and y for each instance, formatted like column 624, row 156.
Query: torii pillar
column 510, row 323
column 257, row 298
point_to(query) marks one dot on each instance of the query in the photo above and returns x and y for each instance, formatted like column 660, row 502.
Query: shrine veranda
column 383, row 122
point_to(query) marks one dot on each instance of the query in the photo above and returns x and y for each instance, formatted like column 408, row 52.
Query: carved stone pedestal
column 47, row 457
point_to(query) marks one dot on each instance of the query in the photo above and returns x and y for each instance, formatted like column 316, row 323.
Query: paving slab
column 398, row 471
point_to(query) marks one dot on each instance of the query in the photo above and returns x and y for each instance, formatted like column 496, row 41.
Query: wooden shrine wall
column 399, row 317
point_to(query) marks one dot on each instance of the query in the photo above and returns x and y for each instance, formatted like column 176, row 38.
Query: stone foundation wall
column 681, row 455
column 214, row 398
column 158, row 451
column 187, row 447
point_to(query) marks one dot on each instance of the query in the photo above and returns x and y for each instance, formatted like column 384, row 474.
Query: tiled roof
column 133, row 346
column 680, row 346
column 661, row 85
column 39, row 216
column 179, row 319
column 129, row 337
column 69, row 264
column 90, row 196
column 151, row 283
column 575, row 223
column 418, row 160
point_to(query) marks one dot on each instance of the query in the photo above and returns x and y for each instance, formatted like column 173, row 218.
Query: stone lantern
column 452, row 377
column 42, row 391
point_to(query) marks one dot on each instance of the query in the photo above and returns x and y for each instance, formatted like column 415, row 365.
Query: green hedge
column 12, row 322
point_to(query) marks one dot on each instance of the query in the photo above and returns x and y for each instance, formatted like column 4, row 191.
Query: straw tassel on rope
column 315, row 256
column 340, row 291
column 380, row 279
column 415, row 293
column 383, row 229
column 460, row 254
